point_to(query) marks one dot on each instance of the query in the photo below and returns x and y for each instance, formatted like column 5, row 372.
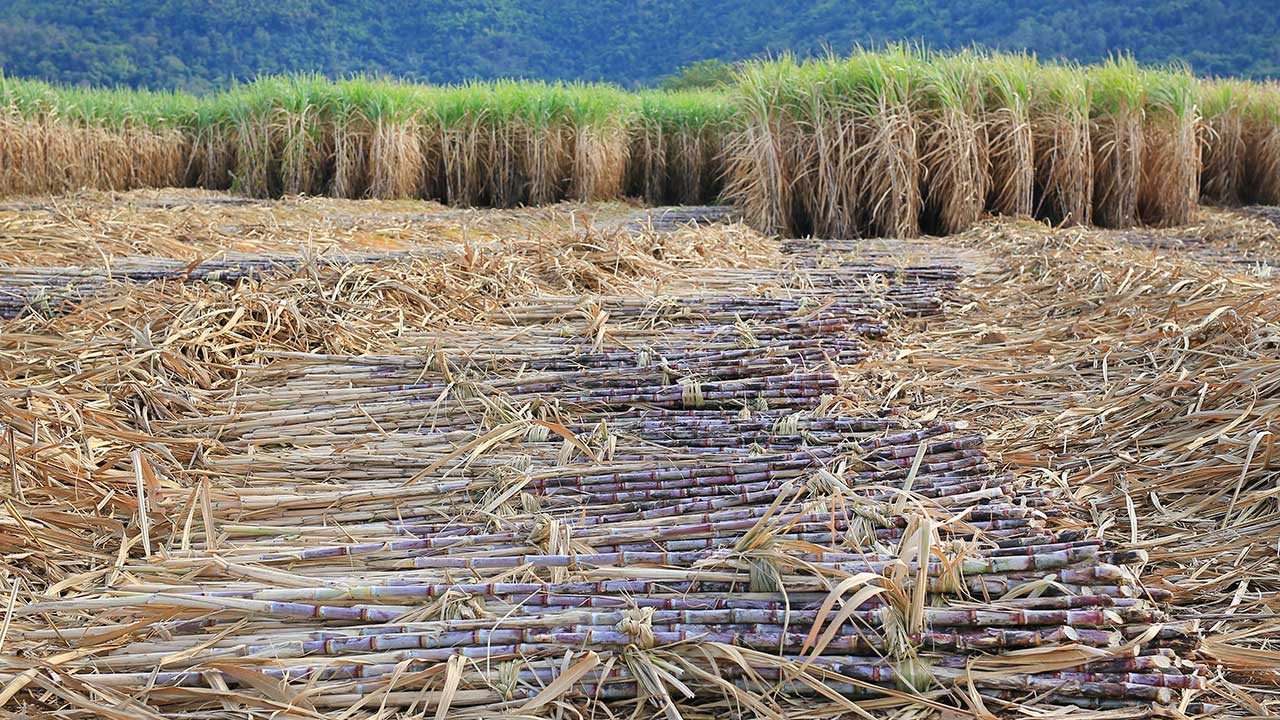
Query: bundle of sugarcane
column 594, row 339
column 690, row 309
column 628, row 484
column 717, row 356
column 739, row 366
column 611, row 504
column 849, row 610
column 844, row 583
column 293, row 413
column 675, row 217
column 51, row 288
column 651, row 465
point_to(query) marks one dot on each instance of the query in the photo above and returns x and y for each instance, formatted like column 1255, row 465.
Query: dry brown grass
column 1117, row 167
column 1133, row 386
column 1142, row 382
column 1170, row 182
column 53, row 156
column 1010, row 148
column 1261, row 162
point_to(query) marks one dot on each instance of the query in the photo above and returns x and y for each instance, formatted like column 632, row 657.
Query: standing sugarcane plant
column 213, row 145
column 1063, row 151
column 1007, row 133
column 954, row 165
column 677, row 143
column 396, row 156
column 257, row 166
column 1223, row 104
column 352, row 139
column 761, row 173
column 302, row 119
column 888, row 162
column 1170, row 181
column 1262, row 145
column 1117, row 108
column 599, row 118
column 890, row 142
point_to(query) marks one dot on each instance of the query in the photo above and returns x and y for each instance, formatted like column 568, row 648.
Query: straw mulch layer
column 546, row 470
column 195, row 225
column 1138, row 373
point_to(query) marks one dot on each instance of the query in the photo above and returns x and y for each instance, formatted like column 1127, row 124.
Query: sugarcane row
column 52, row 289
column 669, row 219
column 674, row 498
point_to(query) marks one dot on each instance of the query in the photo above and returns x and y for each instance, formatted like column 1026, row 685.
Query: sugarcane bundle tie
column 597, row 320
column 462, row 389
column 508, row 481
column 458, row 605
column 868, row 517
column 691, row 393
column 498, row 413
column 788, row 424
column 669, row 374
column 911, row 672
column 954, row 552
column 438, row 362
column 506, row 680
column 827, row 404
column 746, row 337
column 658, row 309
column 530, row 503
column 763, row 575
column 511, row 474
column 537, row 433
column 544, row 534
column 637, row 624
column 825, row 483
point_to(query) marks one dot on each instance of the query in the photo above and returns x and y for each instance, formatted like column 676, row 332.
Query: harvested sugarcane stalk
column 628, row 499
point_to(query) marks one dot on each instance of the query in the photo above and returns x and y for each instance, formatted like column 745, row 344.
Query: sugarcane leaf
column 849, row 608
column 568, row 435
column 836, row 595
column 489, row 439
column 452, row 677
column 276, row 690
column 196, row 650
column 26, row 676
column 564, row 682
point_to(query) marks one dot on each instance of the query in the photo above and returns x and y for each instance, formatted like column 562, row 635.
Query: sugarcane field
column 898, row 384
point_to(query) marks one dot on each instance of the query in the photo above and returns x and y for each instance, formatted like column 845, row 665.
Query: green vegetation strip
column 892, row 142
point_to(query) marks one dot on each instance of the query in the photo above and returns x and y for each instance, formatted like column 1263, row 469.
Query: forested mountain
column 202, row 44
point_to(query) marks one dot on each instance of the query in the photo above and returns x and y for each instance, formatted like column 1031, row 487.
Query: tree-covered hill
column 201, row 44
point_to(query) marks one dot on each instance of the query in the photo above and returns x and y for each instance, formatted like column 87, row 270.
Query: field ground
column 316, row 457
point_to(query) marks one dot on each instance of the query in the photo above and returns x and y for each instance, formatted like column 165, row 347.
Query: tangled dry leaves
column 1138, row 372
column 80, row 389
column 1131, row 375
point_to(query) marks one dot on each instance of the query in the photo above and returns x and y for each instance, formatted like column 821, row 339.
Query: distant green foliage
column 702, row 75
column 199, row 46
